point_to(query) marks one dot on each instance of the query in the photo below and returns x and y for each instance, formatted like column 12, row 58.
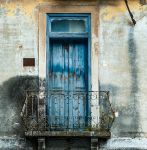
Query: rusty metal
column 130, row 13
column 28, row 62
column 34, row 120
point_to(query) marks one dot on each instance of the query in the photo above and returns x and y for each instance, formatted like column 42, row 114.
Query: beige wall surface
column 118, row 47
column 123, row 65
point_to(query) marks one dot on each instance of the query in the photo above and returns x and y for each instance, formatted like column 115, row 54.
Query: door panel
column 68, row 79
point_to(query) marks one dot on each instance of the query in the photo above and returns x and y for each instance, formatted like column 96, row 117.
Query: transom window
column 68, row 26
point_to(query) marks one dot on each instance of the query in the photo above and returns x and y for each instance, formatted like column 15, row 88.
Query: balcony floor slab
column 99, row 134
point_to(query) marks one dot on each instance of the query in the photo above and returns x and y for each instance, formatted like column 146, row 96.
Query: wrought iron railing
column 67, row 111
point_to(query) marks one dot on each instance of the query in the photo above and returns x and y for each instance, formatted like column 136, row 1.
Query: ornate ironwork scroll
column 34, row 118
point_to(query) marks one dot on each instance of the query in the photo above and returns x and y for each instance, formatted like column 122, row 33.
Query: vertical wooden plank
column 56, row 84
column 71, row 83
column 83, row 67
column 77, row 83
column 66, row 83
column 76, row 98
column 62, row 100
column 82, row 82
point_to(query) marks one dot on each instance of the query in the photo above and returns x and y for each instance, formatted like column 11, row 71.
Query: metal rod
column 130, row 13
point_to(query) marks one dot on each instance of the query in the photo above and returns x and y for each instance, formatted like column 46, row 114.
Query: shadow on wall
column 16, row 87
column 132, row 54
column 12, row 97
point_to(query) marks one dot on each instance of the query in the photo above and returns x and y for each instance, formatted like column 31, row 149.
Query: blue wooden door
column 67, row 84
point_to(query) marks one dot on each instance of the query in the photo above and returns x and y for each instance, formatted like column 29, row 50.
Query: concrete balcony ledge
column 100, row 134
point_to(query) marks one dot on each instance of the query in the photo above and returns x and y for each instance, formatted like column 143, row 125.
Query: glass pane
column 72, row 26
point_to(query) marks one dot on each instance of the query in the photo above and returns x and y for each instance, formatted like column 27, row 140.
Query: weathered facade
column 113, row 56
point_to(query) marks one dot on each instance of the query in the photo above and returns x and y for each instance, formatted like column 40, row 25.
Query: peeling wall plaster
column 122, row 59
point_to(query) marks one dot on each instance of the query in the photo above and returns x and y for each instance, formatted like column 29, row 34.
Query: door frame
column 57, row 35
column 70, row 35
column 41, row 17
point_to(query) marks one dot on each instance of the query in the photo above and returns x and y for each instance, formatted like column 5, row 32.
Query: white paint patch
column 127, row 143
column 116, row 114
column 11, row 143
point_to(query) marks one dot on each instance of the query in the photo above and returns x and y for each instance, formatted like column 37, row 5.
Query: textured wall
column 17, row 40
column 122, row 64
column 123, row 70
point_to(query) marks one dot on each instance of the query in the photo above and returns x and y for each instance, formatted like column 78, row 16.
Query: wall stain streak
column 132, row 51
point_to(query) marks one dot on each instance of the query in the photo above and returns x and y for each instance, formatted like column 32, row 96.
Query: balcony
column 38, row 120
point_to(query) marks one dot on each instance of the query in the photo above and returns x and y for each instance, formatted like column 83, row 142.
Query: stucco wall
column 122, row 63
column 123, row 66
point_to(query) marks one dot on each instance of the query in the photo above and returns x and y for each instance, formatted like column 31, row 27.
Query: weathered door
column 67, row 83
